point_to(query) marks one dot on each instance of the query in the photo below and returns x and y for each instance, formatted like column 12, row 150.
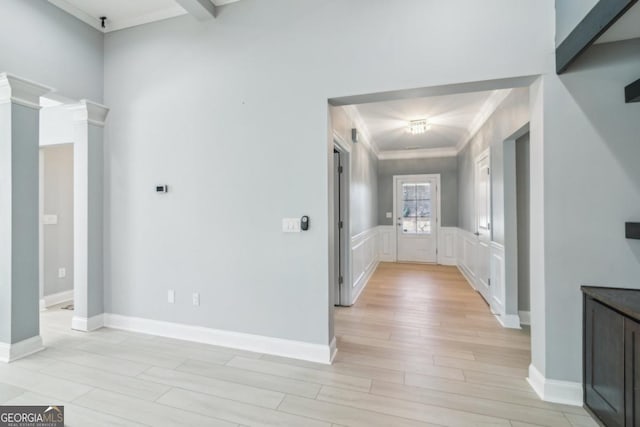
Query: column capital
column 91, row 112
column 21, row 91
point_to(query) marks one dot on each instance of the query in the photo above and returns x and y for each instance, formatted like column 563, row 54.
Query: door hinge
column 489, row 282
column 488, row 171
column 340, row 280
column 340, row 224
column 340, row 169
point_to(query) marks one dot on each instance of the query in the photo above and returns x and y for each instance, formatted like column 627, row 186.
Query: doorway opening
column 56, row 227
column 341, row 226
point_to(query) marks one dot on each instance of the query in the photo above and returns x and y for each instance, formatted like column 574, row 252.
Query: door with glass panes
column 416, row 218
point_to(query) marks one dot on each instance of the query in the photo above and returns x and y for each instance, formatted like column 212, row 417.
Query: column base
column 11, row 352
column 85, row 324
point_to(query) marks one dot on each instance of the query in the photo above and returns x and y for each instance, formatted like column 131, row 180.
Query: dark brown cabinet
column 611, row 353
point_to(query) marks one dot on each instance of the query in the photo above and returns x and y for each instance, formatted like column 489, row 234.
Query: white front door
column 416, row 213
column 483, row 222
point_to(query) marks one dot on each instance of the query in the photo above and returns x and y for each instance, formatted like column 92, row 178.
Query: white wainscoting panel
column 467, row 249
column 387, row 243
column 497, row 275
column 498, row 287
column 447, row 253
column 364, row 260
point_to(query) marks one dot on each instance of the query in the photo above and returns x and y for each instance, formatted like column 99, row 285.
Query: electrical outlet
column 389, row 215
column 62, row 273
column 196, row 299
column 171, row 296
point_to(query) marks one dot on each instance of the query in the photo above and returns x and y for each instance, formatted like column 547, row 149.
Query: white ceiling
column 453, row 118
column 124, row 13
column 627, row 27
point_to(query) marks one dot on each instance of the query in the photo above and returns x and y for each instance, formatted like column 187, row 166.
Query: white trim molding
column 90, row 112
column 318, row 353
column 421, row 153
column 555, row 391
column 55, row 299
column 525, row 317
column 90, row 324
column 21, row 91
column 11, row 352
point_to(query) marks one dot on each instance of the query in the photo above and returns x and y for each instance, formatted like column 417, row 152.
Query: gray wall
column 58, row 200
column 445, row 166
column 24, row 285
column 509, row 117
column 591, row 187
column 232, row 115
column 42, row 43
column 523, row 205
column 363, row 191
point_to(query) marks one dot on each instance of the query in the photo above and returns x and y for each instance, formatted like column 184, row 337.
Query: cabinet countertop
column 626, row 301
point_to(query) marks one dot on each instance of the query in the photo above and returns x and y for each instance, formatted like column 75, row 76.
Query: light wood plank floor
column 419, row 348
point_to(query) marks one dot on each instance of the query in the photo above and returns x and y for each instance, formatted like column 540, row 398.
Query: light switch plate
column 389, row 215
column 50, row 219
column 196, row 299
column 291, row 225
column 171, row 296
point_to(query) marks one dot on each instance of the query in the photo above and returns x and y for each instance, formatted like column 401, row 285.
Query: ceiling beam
column 202, row 10
column 632, row 92
column 599, row 19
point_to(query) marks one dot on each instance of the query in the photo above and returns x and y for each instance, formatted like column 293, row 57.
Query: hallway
column 419, row 348
column 436, row 343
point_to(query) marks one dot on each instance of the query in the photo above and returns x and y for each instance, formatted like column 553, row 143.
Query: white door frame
column 435, row 176
column 345, row 149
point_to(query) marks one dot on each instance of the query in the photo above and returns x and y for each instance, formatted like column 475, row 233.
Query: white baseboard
column 467, row 276
column 55, row 299
column 334, row 348
column 11, row 352
column 510, row 321
column 525, row 317
column 563, row 392
column 87, row 324
column 257, row 343
column 365, row 281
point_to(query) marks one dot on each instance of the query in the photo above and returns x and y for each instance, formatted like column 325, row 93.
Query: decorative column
column 19, row 217
column 88, row 168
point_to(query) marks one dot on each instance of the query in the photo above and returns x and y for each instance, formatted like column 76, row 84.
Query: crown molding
column 120, row 24
column 148, row 18
column 74, row 11
column 424, row 153
column 488, row 108
column 21, row 91
column 91, row 112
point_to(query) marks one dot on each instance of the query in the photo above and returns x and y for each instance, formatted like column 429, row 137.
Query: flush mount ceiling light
column 417, row 127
